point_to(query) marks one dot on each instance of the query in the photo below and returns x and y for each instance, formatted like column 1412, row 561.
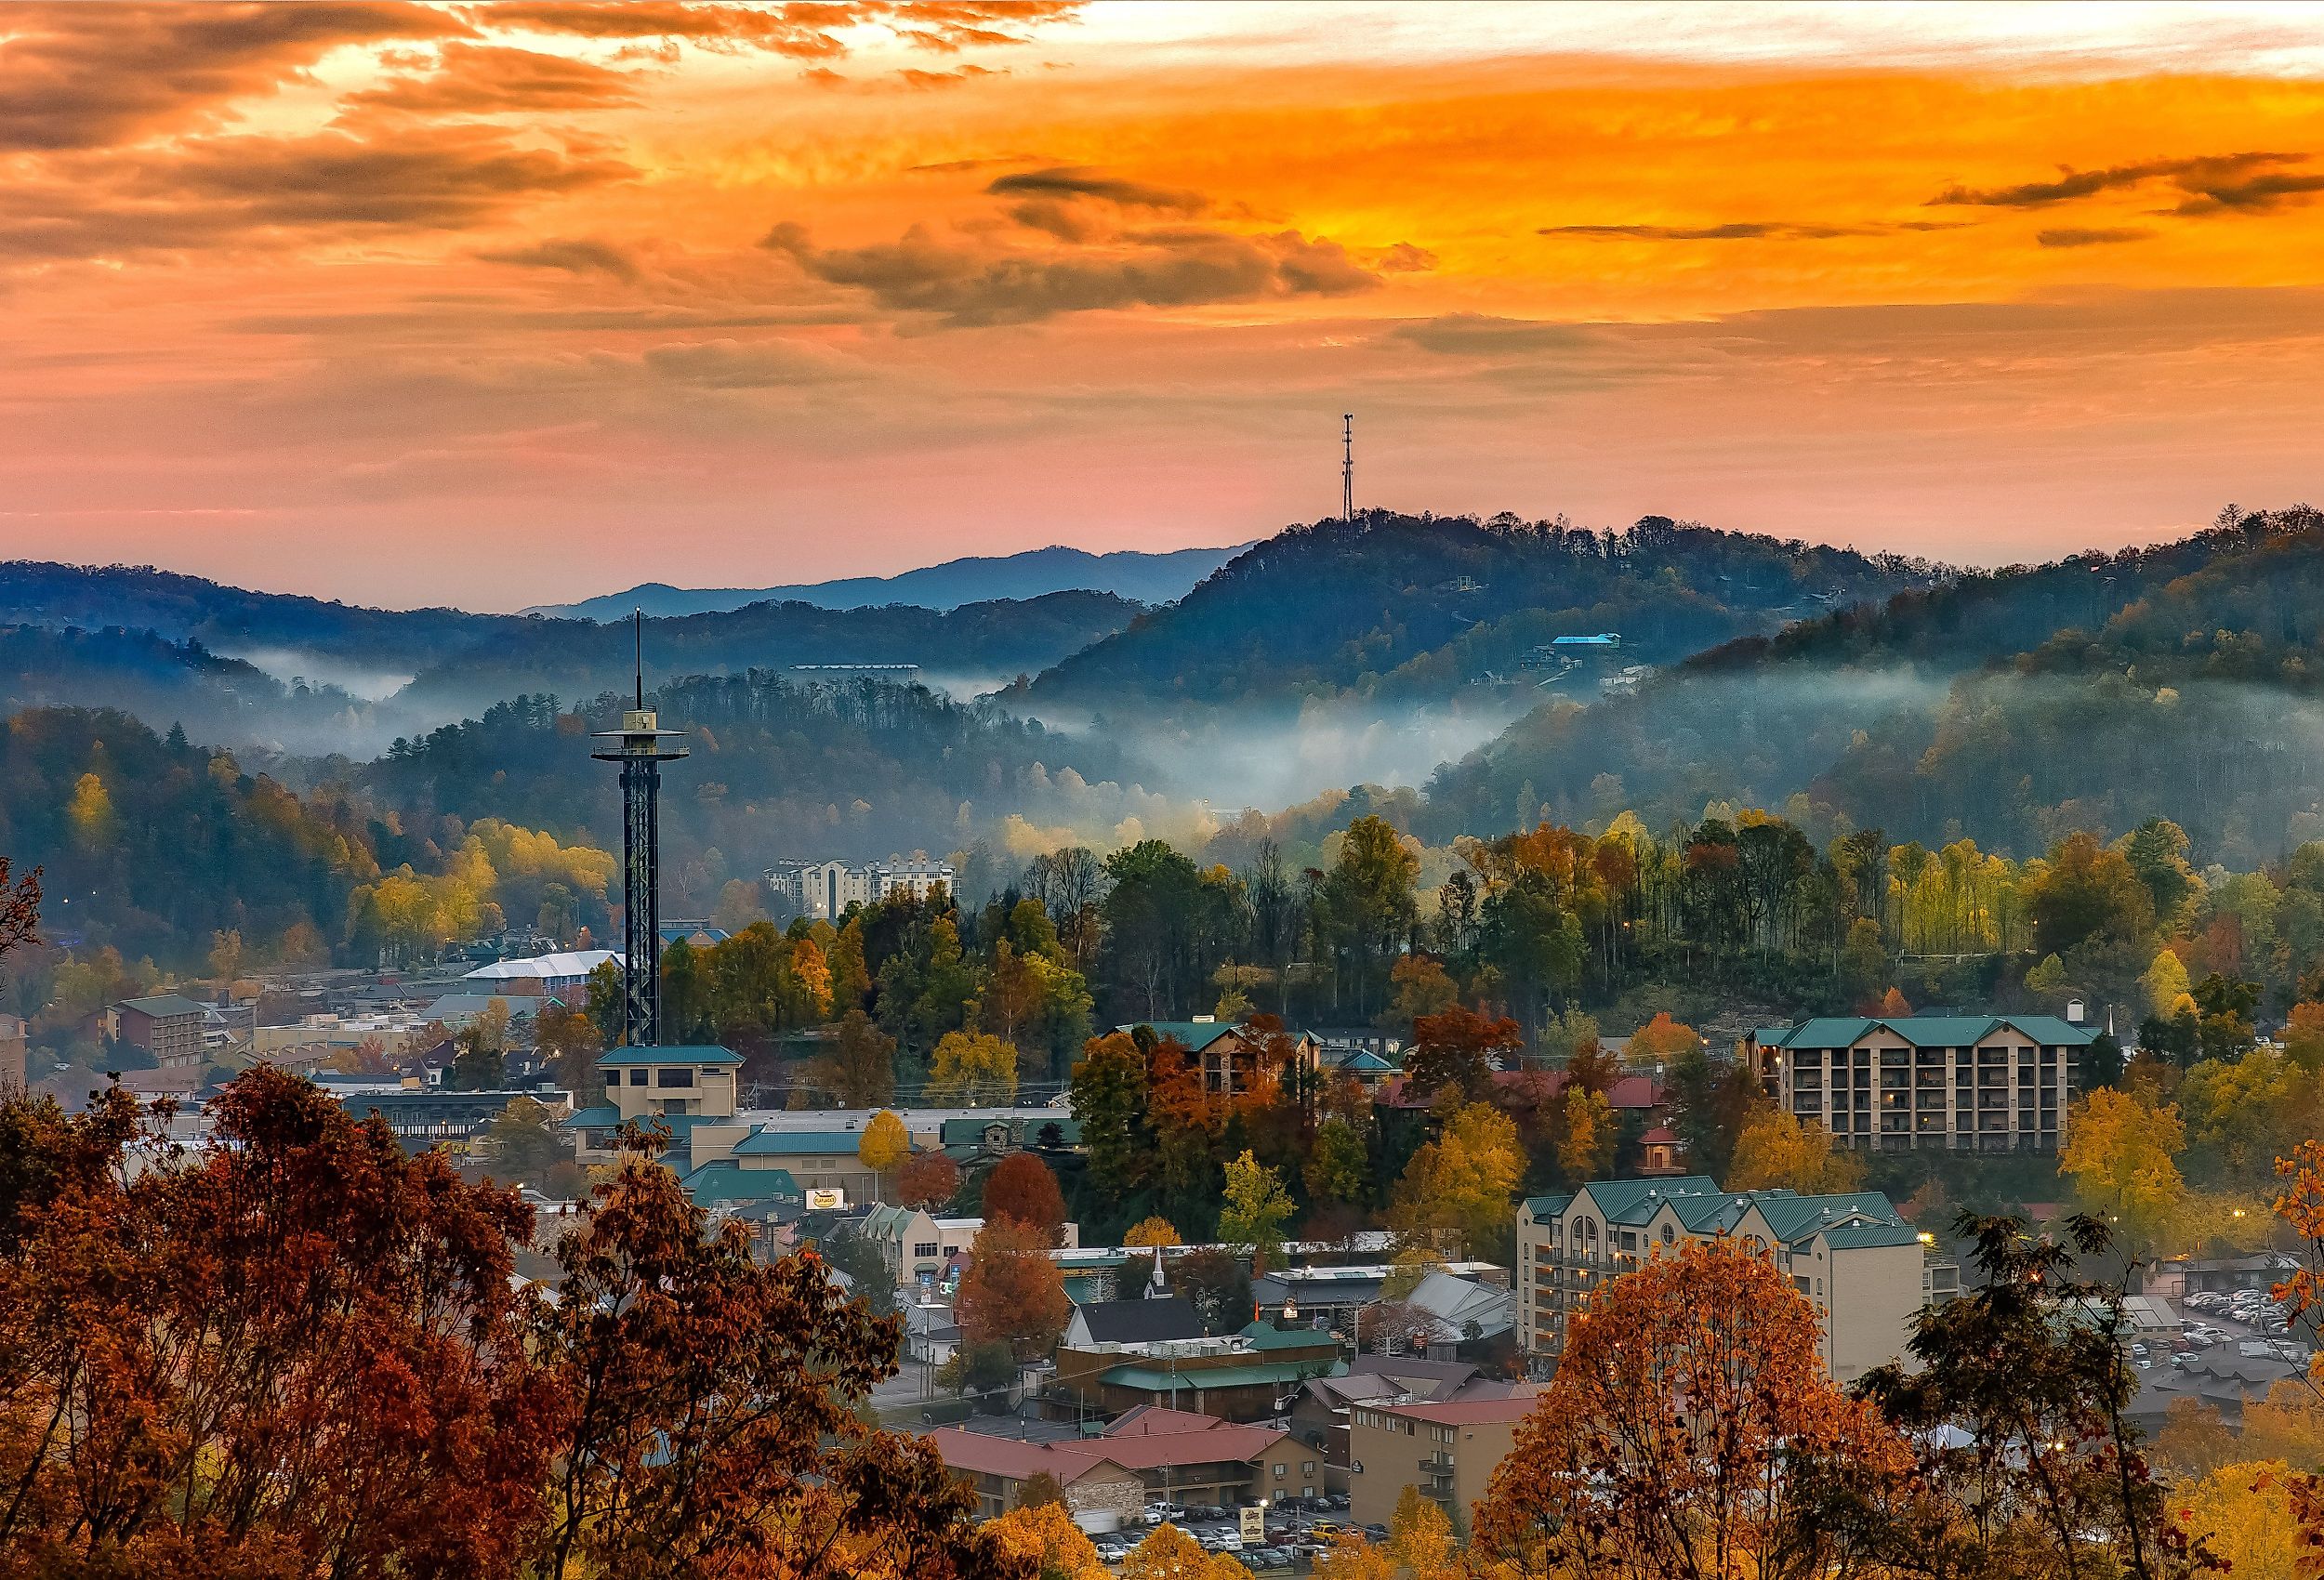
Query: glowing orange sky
column 504, row 305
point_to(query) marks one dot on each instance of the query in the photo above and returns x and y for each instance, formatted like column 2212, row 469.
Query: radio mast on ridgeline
column 641, row 745
column 1347, row 467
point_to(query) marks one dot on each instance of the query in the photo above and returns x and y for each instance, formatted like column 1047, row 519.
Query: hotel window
column 674, row 1078
column 926, row 1248
column 637, row 1077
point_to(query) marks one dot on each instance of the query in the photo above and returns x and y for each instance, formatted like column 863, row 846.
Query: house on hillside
column 1224, row 1051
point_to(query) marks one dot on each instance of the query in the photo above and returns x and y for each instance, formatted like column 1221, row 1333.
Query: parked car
column 1376, row 1532
column 1157, row 1512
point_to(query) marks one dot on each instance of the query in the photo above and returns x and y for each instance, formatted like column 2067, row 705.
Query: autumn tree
column 1108, row 1098
column 1170, row 1554
column 523, row 1143
column 569, row 1040
column 1023, row 1190
column 481, row 1063
column 884, row 1144
column 1779, row 1151
column 1041, row 1535
column 1660, row 1041
column 972, row 1069
column 710, row 1423
column 1011, row 1291
column 1420, row 1538
column 1338, row 1164
column 1585, row 1146
column 2120, row 1150
column 1152, row 1232
column 1454, row 1195
column 1255, row 1211
column 928, row 1180
column 2300, row 1207
column 860, row 1070
column 1689, row 1434
column 269, row 1357
column 1456, row 1049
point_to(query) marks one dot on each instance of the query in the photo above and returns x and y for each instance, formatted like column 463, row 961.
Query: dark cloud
column 574, row 255
column 2071, row 236
column 1405, row 259
column 2241, row 181
column 735, row 364
column 228, row 191
column 84, row 76
column 1170, row 268
column 913, row 77
column 1067, row 182
column 1739, row 231
column 483, row 79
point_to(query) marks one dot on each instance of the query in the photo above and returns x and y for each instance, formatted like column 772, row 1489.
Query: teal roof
column 1266, row 1335
column 799, row 1143
column 1925, row 1030
column 1549, row 1207
column 1157, row 1380
column 617, row 1056
column 1795, row 1218
column 1193, row 1036
column 597, row 1116
column 725, row 1181
column 1366, row 1060
column 1872, row 1234
column 970, row 1132
column 1634, row 1201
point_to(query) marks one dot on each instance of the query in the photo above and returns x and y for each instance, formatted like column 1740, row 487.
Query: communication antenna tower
column 1347, row 467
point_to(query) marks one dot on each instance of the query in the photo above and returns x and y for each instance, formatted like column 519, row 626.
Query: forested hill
column 977, row 643
column 2178, row 681
column 857, row 767
column 1415, row 608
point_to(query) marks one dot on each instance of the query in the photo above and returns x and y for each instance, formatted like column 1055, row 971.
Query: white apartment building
column 823, row 890
column 1958, row 1083
column 1862, row 1269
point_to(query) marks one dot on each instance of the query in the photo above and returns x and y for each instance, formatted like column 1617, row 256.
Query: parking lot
column 1298, row 1530
column 2216, row 1318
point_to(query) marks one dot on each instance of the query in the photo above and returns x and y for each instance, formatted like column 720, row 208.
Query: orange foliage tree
column 929, row 1181
column 1011, row 1292
column 1455, row 1049
column 1023, row 1190
column 1690, row 1434
column 2302, row 1207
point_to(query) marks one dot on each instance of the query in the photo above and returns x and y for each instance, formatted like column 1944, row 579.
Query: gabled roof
column 614, row 1057
column 1141, row 1322
column 1550, row 1206
column 1192, row 1035
column 1469, row 1411
column 799, row 1143
column 1924, row 1031
column 1265, row 1337
column 1634, row 1201
column 1366, row 1061
column 1795, row 1218
column 597, row 1116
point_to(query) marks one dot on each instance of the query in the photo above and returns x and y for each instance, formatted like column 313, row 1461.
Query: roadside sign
column 1254, row 1522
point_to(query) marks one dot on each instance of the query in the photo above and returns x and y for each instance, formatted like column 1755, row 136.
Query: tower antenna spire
column 636, row 636
column 1347, row 467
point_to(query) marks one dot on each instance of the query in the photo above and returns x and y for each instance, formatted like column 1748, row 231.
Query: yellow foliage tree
column 1455, row 1192
column 1044, row 1537
column 2166, row 982
column 2243, row 1513
column 1152, row 1232
column 1778, row 1150
column 1586, row 1149
column 1420, row 1538
column 886, row 1143
column 2120, row 1150
column 90, row 811
column 1352, row 1556
column 1171, row 1554
column 813, row 973
column 972, row 1069
column 2303, row 1036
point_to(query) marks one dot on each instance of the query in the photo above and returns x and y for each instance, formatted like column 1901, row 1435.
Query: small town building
column 1226, row 1052
column 1172, row 1455
column 169, row 1026
column 1449, row 1450
column 1249, row 1376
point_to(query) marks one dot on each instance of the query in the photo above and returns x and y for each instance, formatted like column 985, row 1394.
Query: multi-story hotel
column 1862, row 1269
column 1958, row 1083
column 823, row 890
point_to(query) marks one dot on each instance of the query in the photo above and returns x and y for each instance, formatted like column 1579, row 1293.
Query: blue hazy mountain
column 1148, row 578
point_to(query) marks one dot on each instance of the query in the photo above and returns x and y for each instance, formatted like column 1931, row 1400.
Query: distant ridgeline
column 2015, row 705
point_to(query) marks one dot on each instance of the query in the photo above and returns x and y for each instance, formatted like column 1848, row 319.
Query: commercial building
column 1955, row 1083
column 426, row 1117
column 169, row 1026
column 1321, row 1415
column 1864, row 1270
column 1447, row 1449
column 1249, row 1376
column 1175, row 1456
column 562, row 975
column 823, row 890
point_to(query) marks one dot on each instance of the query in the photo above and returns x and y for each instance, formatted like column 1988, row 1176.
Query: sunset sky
column 501, row 305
